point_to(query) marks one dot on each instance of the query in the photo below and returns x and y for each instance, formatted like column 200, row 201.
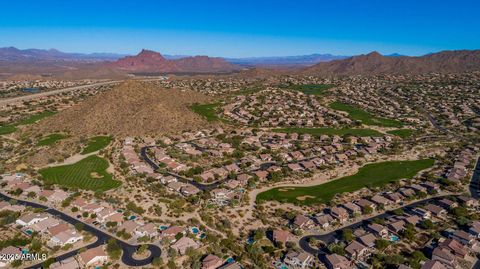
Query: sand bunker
column 286, row 189
column 95, row 175
column 305, row 197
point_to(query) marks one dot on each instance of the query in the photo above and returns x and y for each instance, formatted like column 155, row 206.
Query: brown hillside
column 375, row 64
column 131, row 109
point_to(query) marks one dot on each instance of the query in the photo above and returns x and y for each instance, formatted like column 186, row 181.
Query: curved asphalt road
column 128, row 250
column 330, row 237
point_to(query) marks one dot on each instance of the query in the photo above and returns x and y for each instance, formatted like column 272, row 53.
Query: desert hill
column 375, row 64
column 130, row 109
column 151, row 61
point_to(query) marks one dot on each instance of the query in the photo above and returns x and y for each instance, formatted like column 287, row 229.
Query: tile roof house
column 447, row 203
column 445, row 257
column 339, row 213
column 93, row 257
column 31, row 218
column 172, row 231
column 436, row 210
column 357, row 251
column 335, row 261
column 463, row 237
column 394, row 197
column 352, row 208
column 397, row 226
column 380, row 200
column 149, row 230
column 66, row 237
column 62, row 227
column 211, row 262
column 378, row 230
column 364, row 203
column 425, row 214
column 280, row 236
column 298, row 259
column 324, row 220
column 367, row 239
column 455, row 247
column 183, row 244
column 43, row 225
column 9, row 253
column 303, row 222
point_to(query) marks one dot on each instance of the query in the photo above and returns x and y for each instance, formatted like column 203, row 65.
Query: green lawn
column 313, row 89
column 34, row 118
column 365, row 117
column 11, row 128
column 402, row 133
column 89, row 174
column 51, row 139
column 329, row 131
column 370, row 175
column 7, row 129
column 206, row 110
column 97, row 143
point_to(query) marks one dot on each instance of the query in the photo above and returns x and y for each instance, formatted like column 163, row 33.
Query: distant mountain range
column 148, row 61
column 37, row 62
column 12, row 54
column 375, row 64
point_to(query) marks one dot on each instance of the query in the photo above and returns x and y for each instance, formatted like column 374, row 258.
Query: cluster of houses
column 23, row 187
column 274, row 107
column 459, row 169
column 452, row 105
column 458, row 246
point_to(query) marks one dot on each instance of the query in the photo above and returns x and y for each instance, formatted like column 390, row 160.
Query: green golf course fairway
column 370, row 175
column 88, row 174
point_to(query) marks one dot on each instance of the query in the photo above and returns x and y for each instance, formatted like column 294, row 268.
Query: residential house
column 9, row 255
column 367, row 239
column 378, row 230
column 69, row 236
column 335, row 261
column 280, row 236
column 380, row 200
column 93, row 257
column 298, row 259
column 463, row 237
column 468, row 201
column 357, row 251
column 364, row 203
column 324, row 220
column 303, row 222
column 211, row 262
column 445, row 257
column 150, row 230
column 447, row 203
column 183, row 244
column 339, row 213
column 436, row 210
column 42, row 226
column 425, row 214
column 352, row 208
column 454, row 247
column 31, row 218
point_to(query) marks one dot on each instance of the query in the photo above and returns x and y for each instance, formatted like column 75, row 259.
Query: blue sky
column 234, row 28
